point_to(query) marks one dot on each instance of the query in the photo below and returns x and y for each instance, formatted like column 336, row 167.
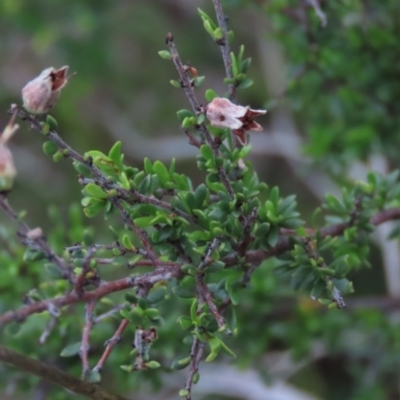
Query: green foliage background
column 343, row 88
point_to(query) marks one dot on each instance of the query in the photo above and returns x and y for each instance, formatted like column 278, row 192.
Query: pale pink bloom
column 40, row 94
column 222, row 113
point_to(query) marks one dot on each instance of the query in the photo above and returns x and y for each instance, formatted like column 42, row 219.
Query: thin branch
column 116, row 338
column 224, row 46
column 34, row 239
column 255, row 257
column 85, row 344
column 49, row 328
column 108, row 313
column 104, row 289
column 56, row 376
column 208, row 298
column 196, row 354
column 141, row 198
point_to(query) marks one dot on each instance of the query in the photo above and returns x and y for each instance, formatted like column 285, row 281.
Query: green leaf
column 115, row 154
column 156, row 294
column 210, row 95
column 153, row 364
column 180, row 362
column 49, row 148
column 206, row 152
column 185, row 322
column 182, row 114
column 93, row 190
column 161, row 170
column 71, row 350
column 165, row 54
column 126, row 241
column 52, row 122
column 33, row 255
column 245, row 83
column 175, row 83
column 94, row 376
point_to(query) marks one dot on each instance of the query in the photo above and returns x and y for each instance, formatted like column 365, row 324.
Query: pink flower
column 223, row 113
column 40, row 94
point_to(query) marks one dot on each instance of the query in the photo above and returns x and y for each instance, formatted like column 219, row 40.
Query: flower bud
column 223, row 113
column 40, row 94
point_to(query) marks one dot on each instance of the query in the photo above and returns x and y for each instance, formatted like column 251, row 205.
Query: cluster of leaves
column 353, row 59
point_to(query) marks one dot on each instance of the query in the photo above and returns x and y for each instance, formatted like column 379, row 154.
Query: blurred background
column 329, row 75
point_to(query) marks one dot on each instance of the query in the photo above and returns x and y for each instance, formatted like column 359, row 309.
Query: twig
column 108, row 313
column 103, row 290
column 196, row 354
column 33, row 238
column 85, row 345
column 110, row 344
column 255, row 257
column 318, row 11
column 209, row 252
column 208, row 298
column 80, row 281
column 224, row 45
column 49, row 328
column 141, row 198
column 56, row 376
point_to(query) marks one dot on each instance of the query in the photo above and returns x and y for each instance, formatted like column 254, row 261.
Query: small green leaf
column 51, row 121
column 161, row 171
column 210, row 95
column 217, row 34
column 180, row 362
column 182, row 114
column 71, row 350
column 49, row 148
column 153, row 364
column 93, row 190
column 184, row 393
column 175, row 83
column 58, row 156
column 165, row 54
column 185, row 322
column 126, row 241
column 245, row 83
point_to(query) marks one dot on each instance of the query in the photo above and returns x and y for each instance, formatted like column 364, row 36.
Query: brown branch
column 110, row 344
column 207, row 297
column 104, row 289
column 56, row 376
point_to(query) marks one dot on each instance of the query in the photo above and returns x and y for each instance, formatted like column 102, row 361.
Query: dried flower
column 40, row 94
column 223, row 113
